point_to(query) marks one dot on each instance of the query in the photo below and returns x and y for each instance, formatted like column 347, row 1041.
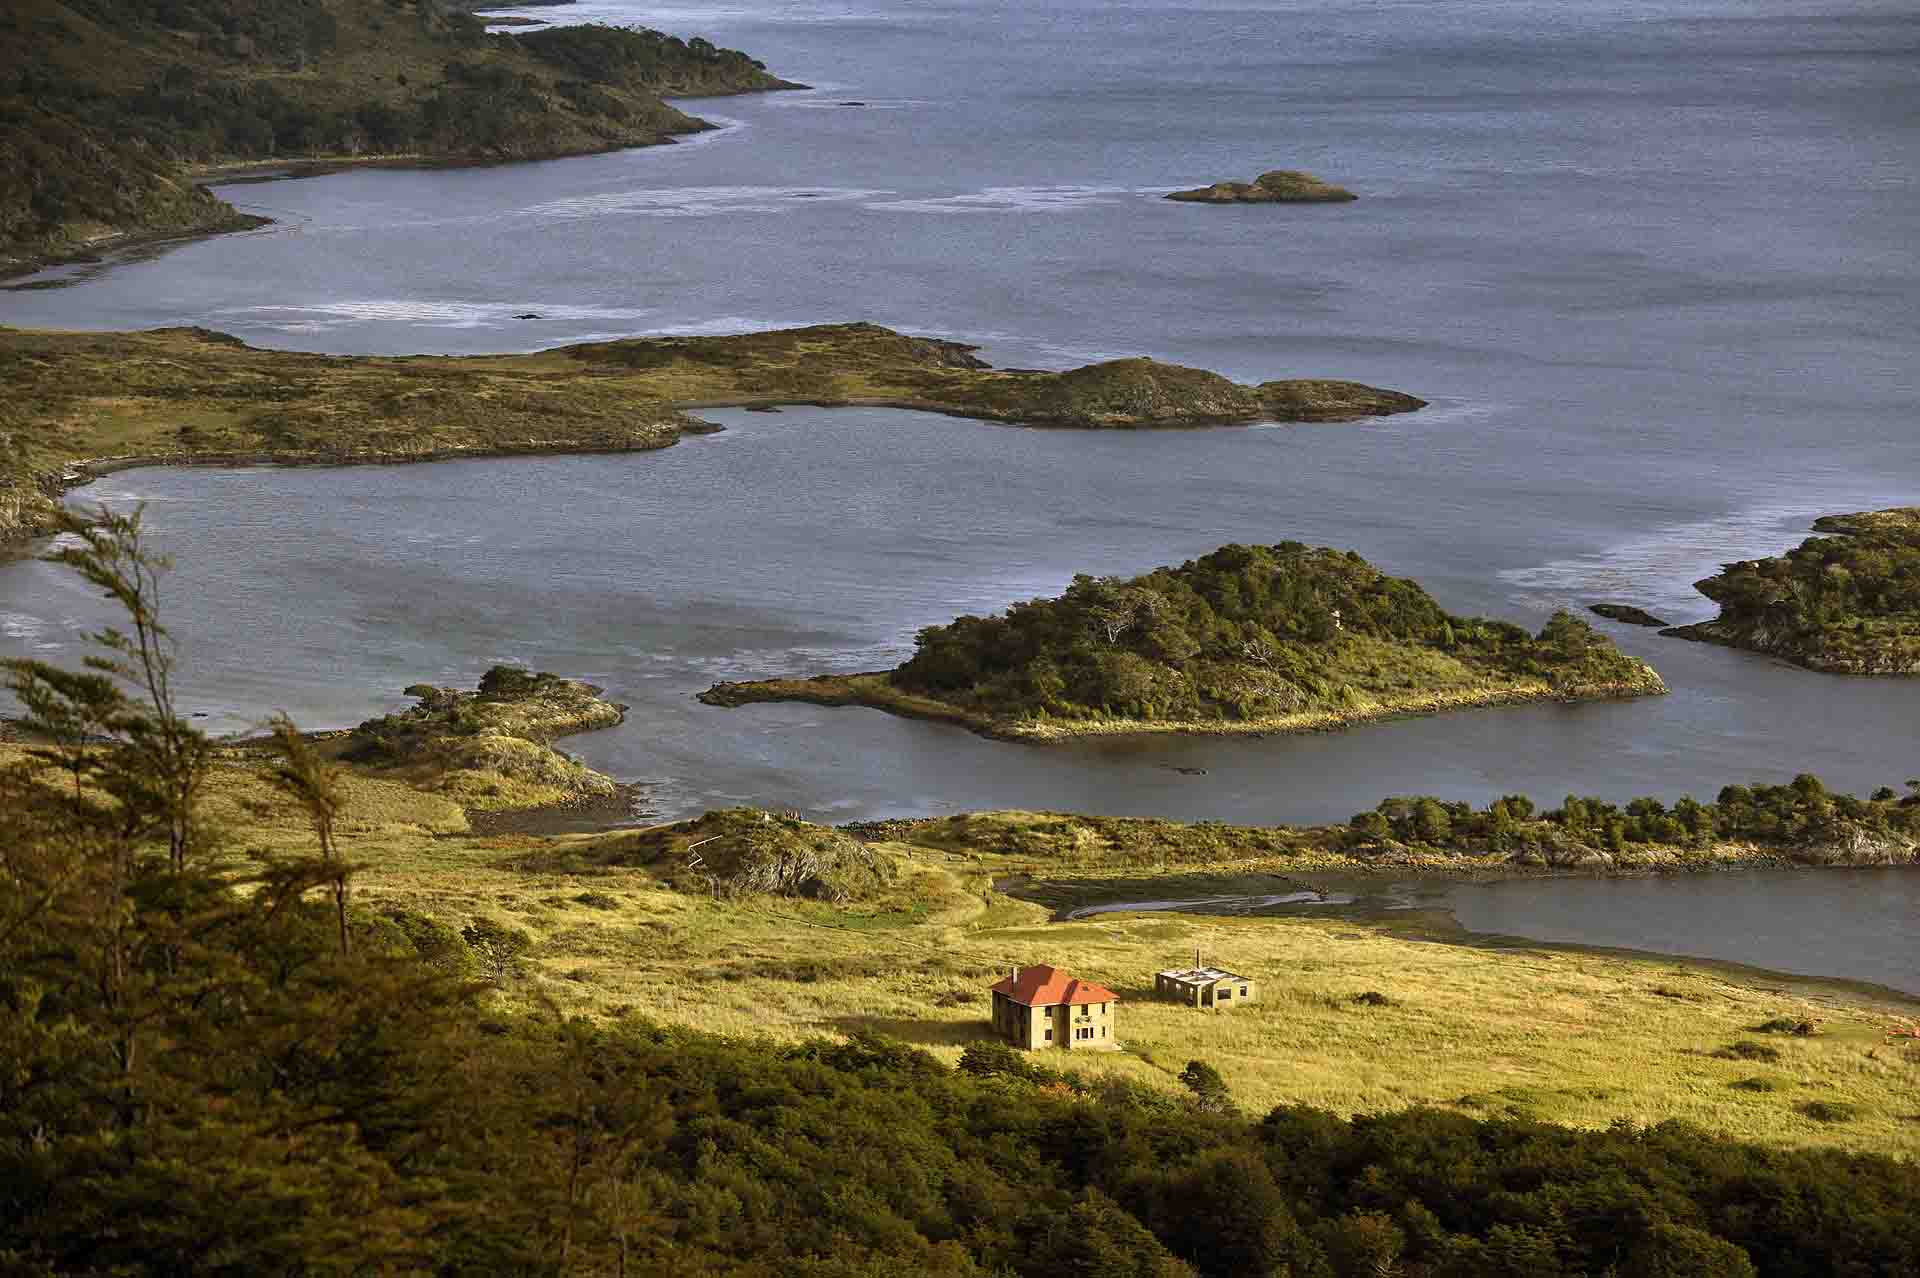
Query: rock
column 1279, row 186
column 529, row 315
column 852, row 104
column 1626, row 612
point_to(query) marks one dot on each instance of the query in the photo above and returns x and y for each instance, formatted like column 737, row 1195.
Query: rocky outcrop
column 1627, row 613
column 490, row 748
column 1280, row 186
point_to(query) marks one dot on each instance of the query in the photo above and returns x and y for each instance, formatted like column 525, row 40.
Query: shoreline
column 869, row 690
column 1437, row 925
column 260, row 171
column 116, row 400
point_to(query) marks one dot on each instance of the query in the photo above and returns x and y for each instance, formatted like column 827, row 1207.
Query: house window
column 1103, row 1031
column 1243, row 991
column 1049, row 1036
column 1225, row 995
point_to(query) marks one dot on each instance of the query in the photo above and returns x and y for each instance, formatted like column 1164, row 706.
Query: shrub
column 1821, row 1111
column 499, row 950
column 1746, row 1051
column 1757, row 1083
column 1786, row 1025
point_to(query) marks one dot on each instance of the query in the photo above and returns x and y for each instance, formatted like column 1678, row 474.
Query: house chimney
column 1013, row 974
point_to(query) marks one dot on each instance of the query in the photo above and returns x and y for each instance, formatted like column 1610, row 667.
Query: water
column 1811, row 922
column 1653, row 263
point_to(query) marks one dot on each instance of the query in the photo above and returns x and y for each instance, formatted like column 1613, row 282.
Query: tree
column 316, row 785
column 137, row 749
column 1209, row 1090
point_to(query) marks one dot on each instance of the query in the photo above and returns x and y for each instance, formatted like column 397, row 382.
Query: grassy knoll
column 91, row 401
column 106, row 106
column 1846, row 603
column 1247, row 639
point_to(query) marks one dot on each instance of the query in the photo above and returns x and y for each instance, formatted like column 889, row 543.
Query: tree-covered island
column 75, row 405
column 112, row 110
column 1245, row 639
column 1846, row 603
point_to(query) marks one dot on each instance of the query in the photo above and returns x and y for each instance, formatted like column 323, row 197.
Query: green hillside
column 105, row 105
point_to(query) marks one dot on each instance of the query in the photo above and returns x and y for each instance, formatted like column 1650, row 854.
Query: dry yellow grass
column 1558, row 1034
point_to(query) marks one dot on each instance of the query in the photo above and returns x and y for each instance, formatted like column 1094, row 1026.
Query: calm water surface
column 1856, row 922
column 1655, row 264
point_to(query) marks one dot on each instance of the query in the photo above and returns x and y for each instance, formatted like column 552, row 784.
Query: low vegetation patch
column 190, row 395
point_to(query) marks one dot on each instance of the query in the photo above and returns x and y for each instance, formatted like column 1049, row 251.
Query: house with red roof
column 1040, row 1007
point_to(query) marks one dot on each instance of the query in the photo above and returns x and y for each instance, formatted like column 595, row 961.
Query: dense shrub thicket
column 1801, row 813
column 1243, row 632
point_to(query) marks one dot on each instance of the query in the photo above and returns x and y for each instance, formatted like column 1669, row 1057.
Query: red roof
column 1045, row 986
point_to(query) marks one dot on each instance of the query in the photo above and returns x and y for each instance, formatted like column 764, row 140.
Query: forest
column 1244, row 632
column 103, row 106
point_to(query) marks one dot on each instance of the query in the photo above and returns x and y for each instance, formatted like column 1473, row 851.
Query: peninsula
column 110, row 112
column 1846, row 603
column 75, row 405
column 1281, row 186
column 1247, row 639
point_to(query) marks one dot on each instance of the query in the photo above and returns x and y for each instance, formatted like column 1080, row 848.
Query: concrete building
column 1204, row 986
column 1039, row 1007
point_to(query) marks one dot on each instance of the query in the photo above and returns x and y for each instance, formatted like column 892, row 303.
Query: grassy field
column 1556, row 1033
column 1561, row 1035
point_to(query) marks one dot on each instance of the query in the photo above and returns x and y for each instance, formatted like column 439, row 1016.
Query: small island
column 77, row 405
column 1626, row 613
column 1247, row 639
column 1281, row 186
column 1847, row 603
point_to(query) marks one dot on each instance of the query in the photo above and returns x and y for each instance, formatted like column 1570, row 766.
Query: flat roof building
column 1204, row 986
